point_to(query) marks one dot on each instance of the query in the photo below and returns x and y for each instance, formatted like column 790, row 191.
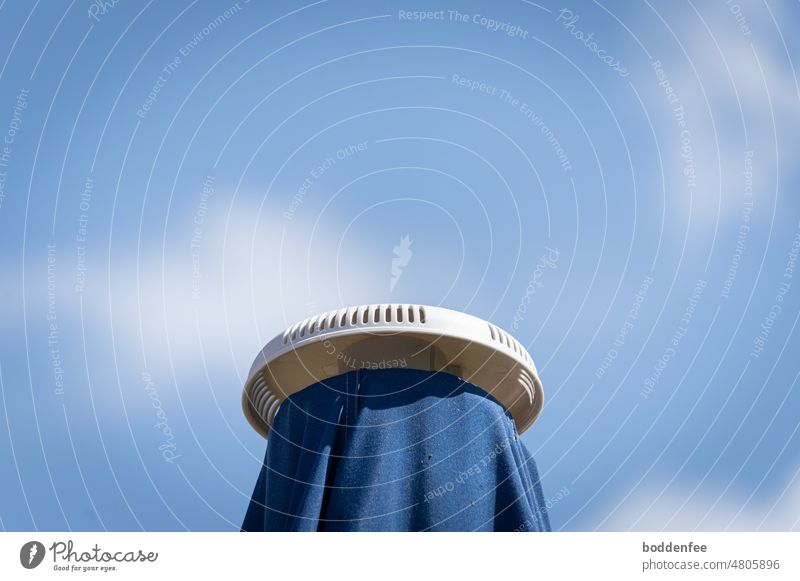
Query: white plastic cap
column 392, row 336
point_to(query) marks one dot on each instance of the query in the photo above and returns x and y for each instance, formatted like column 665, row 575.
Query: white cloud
column 733, row 78
column 255, row 273
column 706, row 510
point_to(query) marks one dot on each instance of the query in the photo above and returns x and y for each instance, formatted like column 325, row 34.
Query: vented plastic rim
column 317, row 348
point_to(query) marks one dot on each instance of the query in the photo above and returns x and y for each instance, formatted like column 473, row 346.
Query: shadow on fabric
column 395, row 450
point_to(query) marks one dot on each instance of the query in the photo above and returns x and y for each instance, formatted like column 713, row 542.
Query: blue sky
column 180, row 181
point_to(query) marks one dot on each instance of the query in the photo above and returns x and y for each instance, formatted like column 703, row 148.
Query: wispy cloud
column 680, row 508
column 739, row 93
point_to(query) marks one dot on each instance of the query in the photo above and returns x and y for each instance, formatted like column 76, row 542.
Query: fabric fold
column 395, row 450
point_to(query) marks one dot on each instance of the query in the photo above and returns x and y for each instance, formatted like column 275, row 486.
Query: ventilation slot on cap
column 526, row 381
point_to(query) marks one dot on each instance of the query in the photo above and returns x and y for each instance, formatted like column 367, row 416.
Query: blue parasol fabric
column 395, row 450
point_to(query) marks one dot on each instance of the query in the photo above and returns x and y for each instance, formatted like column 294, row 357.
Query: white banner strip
column 373, row 556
